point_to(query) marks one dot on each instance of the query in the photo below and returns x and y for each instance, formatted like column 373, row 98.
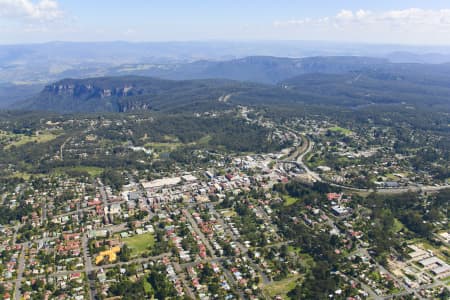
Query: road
column 368, row 290
column 406, row 289
column 61, row 149
column 88, row 266
column 20, row 269
column 300, row 161
column 44, row 212
column 184, row 280
column 16, row 229
column 133, row 261
column 416, row 290
column 243, row 250
column 102, row 267
column 399, row 283
column 103, row 193
column 316, row 177
column 199, row 233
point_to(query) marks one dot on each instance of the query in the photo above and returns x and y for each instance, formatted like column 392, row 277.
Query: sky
column 424, row 22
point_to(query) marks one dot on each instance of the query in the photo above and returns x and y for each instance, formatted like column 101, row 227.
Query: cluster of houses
column 9, row 261
column 381, row 282
column 175, row 201
column 202, row 290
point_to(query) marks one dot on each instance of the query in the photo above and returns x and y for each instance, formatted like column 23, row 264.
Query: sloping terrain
column 420, row 85
column 121, row 94
column 262, row 69
column 349, row 82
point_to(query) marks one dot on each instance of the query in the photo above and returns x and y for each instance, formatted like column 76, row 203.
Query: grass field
column 21, row 139
column 391, row 177
column 204, row 140
column 341, row 130
column 147, row 287
column 163, row 146
column 398, row 226
column 289, row 200
column 25, row 176
column 140, row 243
column 172, row 144
column 93, row 171
column 281, row 288
column 228, row 213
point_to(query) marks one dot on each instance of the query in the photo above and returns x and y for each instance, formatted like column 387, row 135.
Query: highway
column 316, row 177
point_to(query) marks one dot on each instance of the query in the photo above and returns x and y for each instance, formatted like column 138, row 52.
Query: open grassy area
column 281, row 288
column 228, row 213
column 204, row 140
column 398, row 226
column 147, row 287
column 391, row 177
column 172, row 144
column 21, row 139
column 341, row 130
column 140, row 243
column 93, row 171
column 289, row 200
column 23, row 175
column 161, row 147
column 293, row 249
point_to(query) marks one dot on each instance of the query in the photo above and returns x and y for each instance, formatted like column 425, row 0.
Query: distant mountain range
column 128, row 93
column 48, row 62
column 338, row 81
column 259, row 80
column 261, row 69
column 27, row 69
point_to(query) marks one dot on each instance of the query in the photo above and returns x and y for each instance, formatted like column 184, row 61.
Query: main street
column 88, row 266
column 20, row 270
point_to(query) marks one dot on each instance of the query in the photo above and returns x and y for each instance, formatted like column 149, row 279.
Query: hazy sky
column 381, row 21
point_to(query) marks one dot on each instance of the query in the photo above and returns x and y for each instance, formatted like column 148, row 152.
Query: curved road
column 317, row 177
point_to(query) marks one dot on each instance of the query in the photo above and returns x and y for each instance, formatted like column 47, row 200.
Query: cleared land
column 341, row 130
column 281, row 288
column 289, row 200
column 20, row 139
column 163, row 146
column 93, row 171
column 140, row 243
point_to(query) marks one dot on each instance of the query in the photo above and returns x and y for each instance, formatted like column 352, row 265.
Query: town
column 235, row 226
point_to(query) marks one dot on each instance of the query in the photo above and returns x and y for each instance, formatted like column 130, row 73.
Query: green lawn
column 289, row 200
column 24, row 139
column 204, row 140
column 228, row 213
column 140, row 243
column 341, row 130
column 398, row 226
column 148, row 287
column 93, row 171
column 391, row 177
column 281, row 288
column 161, row 147
column 26, row 176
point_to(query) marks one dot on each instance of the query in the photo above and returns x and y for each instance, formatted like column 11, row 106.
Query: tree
column 125, row 253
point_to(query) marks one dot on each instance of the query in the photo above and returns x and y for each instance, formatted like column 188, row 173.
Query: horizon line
column 230, row 41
